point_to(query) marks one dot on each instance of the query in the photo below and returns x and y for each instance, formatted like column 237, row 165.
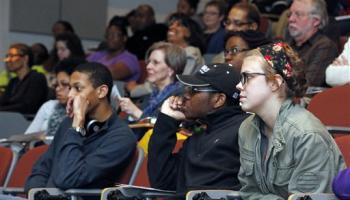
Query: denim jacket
column 301, row 156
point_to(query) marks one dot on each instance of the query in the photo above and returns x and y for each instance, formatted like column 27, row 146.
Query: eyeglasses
column 235, row 22
column 233, row 51
column 297, row 14
column 211, row 13
column 61, row 85
column 191, row 91
column 245, row 76
column 13, row 55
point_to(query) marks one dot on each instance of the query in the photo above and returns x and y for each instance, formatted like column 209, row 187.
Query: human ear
column 276, row 82
column 102, row 91
column 218, row 100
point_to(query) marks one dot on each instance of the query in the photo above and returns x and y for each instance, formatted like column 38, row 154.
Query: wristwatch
column 80, row 130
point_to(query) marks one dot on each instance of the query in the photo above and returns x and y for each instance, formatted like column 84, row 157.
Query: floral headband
column 275, row 55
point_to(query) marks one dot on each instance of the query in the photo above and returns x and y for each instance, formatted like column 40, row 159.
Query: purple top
column 130, row 60
column 341, row 184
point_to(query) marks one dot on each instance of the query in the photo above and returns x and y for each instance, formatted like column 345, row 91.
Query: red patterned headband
column 276, row 57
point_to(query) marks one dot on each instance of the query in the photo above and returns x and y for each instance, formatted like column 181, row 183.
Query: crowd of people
column 222, row 74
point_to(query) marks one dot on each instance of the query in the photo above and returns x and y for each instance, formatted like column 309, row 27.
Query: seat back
column 12, row 123
column 313, row 196
column 343, row 143
column 6, row 157
column 143, row 70
column 129, row 174
column 332, row 106
column 24, row 166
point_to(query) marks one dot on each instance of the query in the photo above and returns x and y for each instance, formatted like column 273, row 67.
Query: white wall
column 115, row 7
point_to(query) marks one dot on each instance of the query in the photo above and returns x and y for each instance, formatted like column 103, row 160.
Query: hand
column 77, row 108
column 129, row 107
column 172, row 107
column 341, row 60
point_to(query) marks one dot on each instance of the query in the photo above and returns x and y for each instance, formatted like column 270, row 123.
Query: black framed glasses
column 245, row 76
column 228, row 22
column 13, row 55
column 192, row 90
column 234, row 51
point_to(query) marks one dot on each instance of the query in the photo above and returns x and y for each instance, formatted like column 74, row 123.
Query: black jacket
column 25, row 96
column 206, row 160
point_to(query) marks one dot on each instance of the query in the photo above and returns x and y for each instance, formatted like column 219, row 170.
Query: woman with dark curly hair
column 284, row 149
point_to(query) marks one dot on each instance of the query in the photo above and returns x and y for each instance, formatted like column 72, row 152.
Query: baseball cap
column 221, row 76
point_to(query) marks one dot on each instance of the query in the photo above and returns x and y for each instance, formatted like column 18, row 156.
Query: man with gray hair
column 305, row 21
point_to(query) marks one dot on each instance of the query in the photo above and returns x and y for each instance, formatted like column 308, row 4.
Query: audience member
column 284, row 149
column 241, row 17
column 92, row 146
column 147, row 32
column 214, row 32
column 40, row 57
column 52, row 112
column 164, row 61
column 210, row 157
column 186, row 33
column 238, row 43
column 28, row 90
column 338, row 73
column 123, row 65
column 62, row 26
column 341, row 184
column 189, row 8
column 306, row 19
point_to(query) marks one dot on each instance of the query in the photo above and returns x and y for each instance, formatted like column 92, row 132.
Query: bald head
column 144, row 16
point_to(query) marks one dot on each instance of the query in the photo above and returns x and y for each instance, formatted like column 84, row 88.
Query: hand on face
column 173, row 107
column 77, row 108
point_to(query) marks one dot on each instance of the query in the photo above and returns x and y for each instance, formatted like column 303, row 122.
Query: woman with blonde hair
column 284, row 148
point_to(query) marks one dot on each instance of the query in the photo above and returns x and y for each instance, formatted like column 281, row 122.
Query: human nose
column 239, row 86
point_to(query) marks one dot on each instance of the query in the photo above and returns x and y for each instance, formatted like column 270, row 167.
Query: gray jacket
column 301, row 156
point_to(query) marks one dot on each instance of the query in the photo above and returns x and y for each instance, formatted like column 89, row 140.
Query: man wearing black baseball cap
column 209, row 158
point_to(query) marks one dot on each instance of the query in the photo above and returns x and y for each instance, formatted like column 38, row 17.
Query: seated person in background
column 186, row 33
column 306, row 19
column 284, row 148
column 52, row 112
column 214, row 32
column 164, row 60
column 146, row 31
column 60, row 27
column 210, row 157
column 238, row 43
column 338, row 73
column 123, row 65
column 28, row 90
column 241, row 17
column 92, row 146
column 40, row 57
column 341, row 184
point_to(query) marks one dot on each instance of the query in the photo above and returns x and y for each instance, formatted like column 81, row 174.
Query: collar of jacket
column 278, row 139
column 220, row 117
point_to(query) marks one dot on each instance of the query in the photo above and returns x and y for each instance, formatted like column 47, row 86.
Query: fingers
column 69, row 107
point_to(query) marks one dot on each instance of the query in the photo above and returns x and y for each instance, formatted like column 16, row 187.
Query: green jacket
column 301, row 156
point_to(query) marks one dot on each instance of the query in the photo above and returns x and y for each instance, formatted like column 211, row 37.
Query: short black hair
column 193, row 4
column 98, row 74
column 253, row 38
column 67, row 25
column 67, row 65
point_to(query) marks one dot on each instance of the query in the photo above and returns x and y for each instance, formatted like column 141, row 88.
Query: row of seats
column 330, row 106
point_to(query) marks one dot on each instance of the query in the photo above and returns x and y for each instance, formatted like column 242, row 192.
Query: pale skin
column 259, row 95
